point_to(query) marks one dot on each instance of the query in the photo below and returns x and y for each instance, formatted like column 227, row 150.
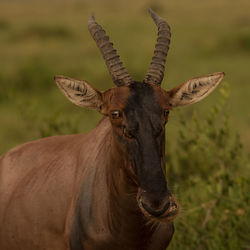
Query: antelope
column 106, row 189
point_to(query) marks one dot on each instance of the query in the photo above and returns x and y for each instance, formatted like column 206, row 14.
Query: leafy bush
column 210, row 171
column 56, row 124
column 51, row 123
column 32, row 77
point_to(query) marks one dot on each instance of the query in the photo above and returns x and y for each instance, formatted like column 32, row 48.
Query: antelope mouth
column 166, row 214
column 172, row 212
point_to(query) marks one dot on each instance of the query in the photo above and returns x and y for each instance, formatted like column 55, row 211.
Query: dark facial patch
column 144, row 117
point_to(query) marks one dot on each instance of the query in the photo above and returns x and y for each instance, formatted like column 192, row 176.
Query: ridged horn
column 118, row 72
column 155, row 72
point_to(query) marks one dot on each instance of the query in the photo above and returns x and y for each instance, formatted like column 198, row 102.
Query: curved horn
column 118, row 72
column 157, row 66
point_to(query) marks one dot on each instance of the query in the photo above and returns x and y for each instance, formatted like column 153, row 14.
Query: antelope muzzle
column 163, row 207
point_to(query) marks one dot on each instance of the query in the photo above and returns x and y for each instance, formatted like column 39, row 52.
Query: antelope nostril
column 153, row 212
column 130, row 133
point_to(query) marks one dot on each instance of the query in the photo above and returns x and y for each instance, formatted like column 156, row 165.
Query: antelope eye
column 116, row 114
column 166, row 112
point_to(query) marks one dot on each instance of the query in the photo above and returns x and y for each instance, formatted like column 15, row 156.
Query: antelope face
column 138, row 112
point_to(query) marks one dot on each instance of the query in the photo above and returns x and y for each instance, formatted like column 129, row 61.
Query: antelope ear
column 194, row 90
column 80, row 92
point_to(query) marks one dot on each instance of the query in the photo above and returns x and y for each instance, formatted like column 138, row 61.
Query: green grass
column 208, row 144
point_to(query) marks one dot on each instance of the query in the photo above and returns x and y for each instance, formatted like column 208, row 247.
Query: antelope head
column 138, row 112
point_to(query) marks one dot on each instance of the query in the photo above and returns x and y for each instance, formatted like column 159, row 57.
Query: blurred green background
column 208, row 143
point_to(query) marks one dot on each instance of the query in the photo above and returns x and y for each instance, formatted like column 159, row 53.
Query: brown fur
column 39, row 185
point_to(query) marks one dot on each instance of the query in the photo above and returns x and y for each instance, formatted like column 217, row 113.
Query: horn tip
column 151, row 12
column 91, row 19
column 92, row 16
column 154, row 16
